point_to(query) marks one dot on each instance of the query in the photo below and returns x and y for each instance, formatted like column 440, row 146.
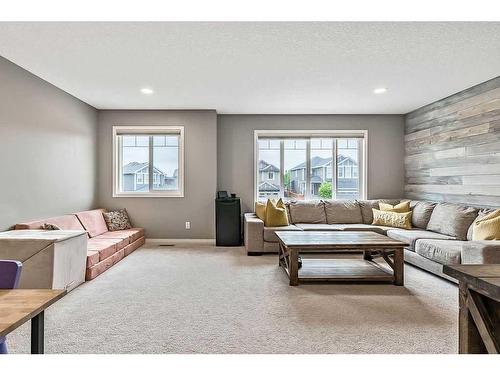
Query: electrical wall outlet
column 188, row 225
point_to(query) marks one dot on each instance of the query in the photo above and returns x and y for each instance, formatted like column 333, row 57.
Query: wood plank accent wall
column 452, row 148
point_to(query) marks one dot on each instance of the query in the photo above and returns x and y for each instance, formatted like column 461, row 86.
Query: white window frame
column 362, row 156
column 117, row 161
column 269, row 175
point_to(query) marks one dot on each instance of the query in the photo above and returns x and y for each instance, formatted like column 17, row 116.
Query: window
column 269, row 151
column 148, row 161
column 310, row 165
column 270, row 176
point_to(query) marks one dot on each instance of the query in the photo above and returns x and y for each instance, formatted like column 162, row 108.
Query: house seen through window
column 309, row 167
column 148, row 161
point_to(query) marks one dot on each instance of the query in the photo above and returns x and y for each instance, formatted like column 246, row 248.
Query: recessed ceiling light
column 380, row 90
column 147, row 91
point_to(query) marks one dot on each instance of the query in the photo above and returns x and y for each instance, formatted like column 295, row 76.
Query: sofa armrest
column 254, row 233
column 481, row 252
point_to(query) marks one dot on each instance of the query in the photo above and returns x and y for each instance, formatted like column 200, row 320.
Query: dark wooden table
column 479, row 307
column 17, row 306
column 371, row 244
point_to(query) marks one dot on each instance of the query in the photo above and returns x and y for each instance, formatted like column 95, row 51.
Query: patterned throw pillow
column 117, row 220
column 48, row 226
column 392, row 219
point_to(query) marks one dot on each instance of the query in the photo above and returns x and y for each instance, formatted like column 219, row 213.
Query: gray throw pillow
column 117, row 220
column 421, row 213
column 452, row 219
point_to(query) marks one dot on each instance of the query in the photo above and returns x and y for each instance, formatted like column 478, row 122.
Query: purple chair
column 10, row 272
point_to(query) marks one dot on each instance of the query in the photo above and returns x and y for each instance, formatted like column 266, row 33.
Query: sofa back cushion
column 307, row 212
column 367, row 207
column 93, row 222
column 65, row 222
column 343, row 212
column 421, row 213
column 452, row 219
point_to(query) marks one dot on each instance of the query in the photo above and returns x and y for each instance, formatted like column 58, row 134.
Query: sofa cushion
column 319, row 227
column 344, row 227
column 421, row 213
column 343, row 212
column 368, row 205
column 412, row 235
column 105, row 247
column 65, row 222
column 307, row 212
column 92, row 258
column 367, row 228
column 452, row 219
column 270, row 236
column 440, row 251
column 130, row 234
column 93, row 222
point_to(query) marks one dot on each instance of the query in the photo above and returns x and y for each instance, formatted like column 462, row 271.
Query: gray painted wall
column 166, row 217
column 452, row 148
column 47, row 149
column 235, row 153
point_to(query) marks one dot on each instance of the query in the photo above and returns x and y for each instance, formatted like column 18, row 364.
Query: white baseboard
column 194, row 241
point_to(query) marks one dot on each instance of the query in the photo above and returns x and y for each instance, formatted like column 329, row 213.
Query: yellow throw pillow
column 392, row 219
column 275, row 216
column 401, row 208
column 260, row 210
column 487, row 228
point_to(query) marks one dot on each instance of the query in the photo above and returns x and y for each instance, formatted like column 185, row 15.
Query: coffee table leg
column 294, row 267
column 399, row 267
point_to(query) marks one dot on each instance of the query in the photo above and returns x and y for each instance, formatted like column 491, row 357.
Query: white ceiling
column 257, row 67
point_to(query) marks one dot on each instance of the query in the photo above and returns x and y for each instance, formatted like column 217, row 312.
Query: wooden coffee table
column 291, row 244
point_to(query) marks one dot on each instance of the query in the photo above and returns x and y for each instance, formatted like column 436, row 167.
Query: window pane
column 348, row 169
column 295, row 168
column 165, row 162
column 135, row 163
column 159, row 140
column 268, row 179
column 321, row 168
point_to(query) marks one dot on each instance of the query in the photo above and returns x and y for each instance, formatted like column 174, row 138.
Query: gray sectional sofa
column 441, row 233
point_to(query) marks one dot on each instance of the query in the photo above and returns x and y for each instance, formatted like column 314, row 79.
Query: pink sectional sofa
column 104, row 248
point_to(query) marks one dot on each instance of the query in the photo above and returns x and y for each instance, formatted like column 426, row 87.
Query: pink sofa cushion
column 105, row 248
column 92, row 258
column 93, row 222
column 66, row 222
column 131, row 234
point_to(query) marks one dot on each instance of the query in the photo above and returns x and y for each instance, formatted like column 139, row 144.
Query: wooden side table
column 479, row 300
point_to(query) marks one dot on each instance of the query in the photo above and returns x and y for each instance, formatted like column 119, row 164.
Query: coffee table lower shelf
column 315, row 270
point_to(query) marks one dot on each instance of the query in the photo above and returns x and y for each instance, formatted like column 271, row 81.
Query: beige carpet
column 217, row 300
